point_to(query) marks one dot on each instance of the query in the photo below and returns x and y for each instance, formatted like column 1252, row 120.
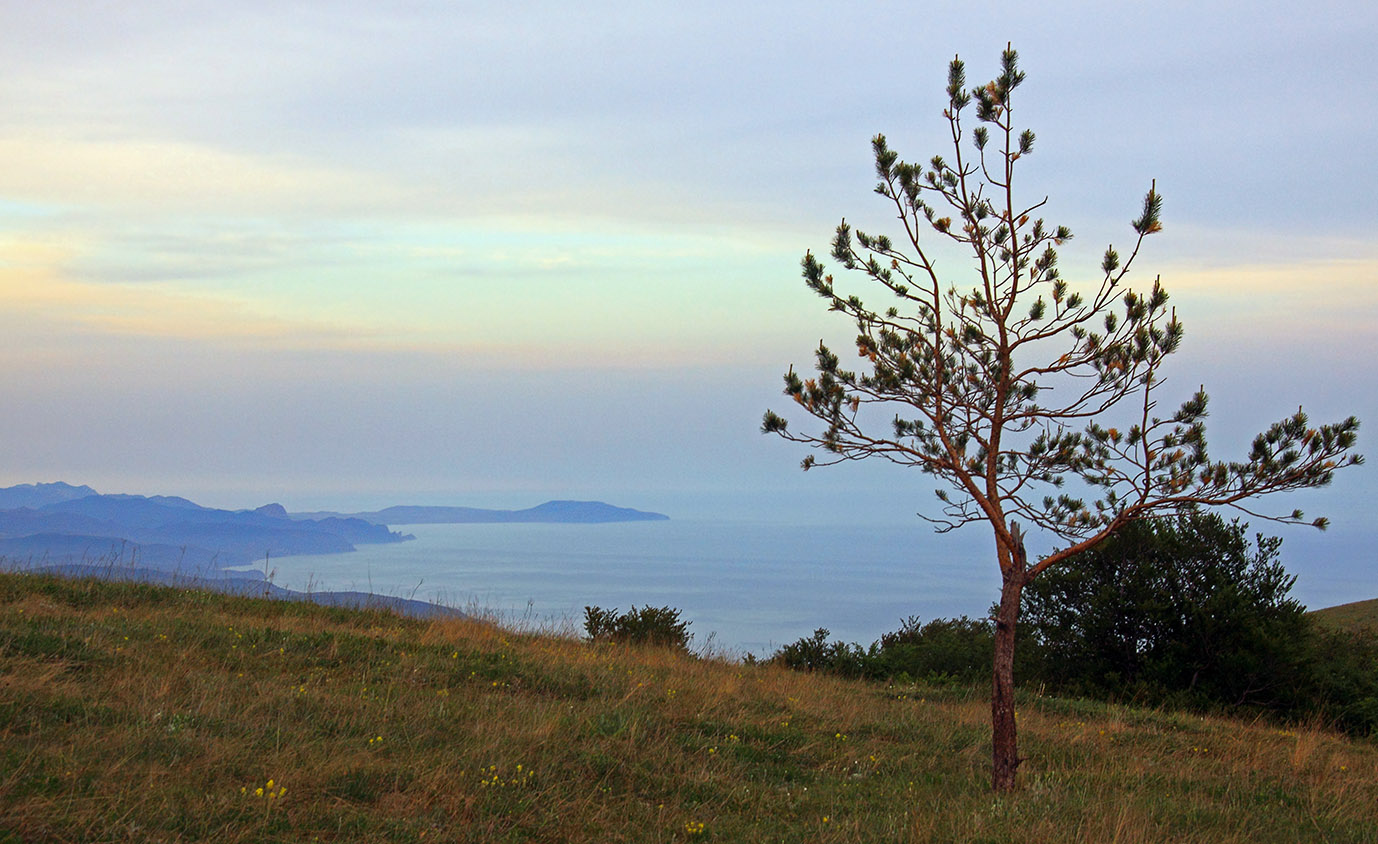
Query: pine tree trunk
column 1005, row 748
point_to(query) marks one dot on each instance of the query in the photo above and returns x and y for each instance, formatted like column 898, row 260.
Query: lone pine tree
column 1033, row 401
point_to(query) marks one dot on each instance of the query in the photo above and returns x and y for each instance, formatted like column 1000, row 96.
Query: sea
column 745, row 587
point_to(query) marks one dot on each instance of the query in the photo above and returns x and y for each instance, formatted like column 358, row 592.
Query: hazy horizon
column 341, row 256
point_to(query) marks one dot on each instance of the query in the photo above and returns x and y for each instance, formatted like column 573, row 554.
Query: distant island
column 560, row 512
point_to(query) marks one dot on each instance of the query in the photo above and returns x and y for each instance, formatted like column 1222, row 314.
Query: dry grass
column 1356, row 615
column 133, row 713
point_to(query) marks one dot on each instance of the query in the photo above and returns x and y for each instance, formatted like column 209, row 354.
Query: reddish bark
column 1004, row 730
column 1005, row 749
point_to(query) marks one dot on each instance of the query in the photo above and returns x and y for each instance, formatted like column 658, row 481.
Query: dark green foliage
column 1182, row 606
column 648, row 625
column 1188, row 611
column 600, row 624
column 1342, row 677
column 815, row 653
column 944, row 648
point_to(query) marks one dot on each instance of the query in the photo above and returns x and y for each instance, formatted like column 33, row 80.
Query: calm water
column 752, row 586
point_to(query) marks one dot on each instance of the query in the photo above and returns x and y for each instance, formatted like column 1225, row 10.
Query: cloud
column 1316, row 301
column 501, row 306
column 166, row 176
column 32, row 288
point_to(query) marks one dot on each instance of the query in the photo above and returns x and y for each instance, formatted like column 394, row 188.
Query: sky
column 359, row 253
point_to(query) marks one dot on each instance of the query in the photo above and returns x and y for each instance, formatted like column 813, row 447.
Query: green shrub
column 1184, row 610
column 959, row 649
column 1342, row 667
column 649, row 625
column 1188, row 613
column 945, row 650
column 600, row 624
column 815, row 653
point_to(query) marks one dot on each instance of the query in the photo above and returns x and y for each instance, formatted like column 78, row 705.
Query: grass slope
column 138, row 713
column 1358, row 614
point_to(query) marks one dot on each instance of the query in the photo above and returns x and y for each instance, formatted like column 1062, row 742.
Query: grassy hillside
column 135, row 713
column 1349, row 616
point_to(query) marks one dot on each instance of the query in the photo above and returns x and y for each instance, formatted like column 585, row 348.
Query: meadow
column 1354, row 615
column 155, row 714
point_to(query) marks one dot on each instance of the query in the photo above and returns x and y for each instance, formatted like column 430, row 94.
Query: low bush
column 1343, row 677
column 648, row 625
column 815, row 653
column 943, row 650
column 959, row 649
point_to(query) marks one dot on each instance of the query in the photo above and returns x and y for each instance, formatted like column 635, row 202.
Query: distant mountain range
column 60, row 526
column 37, row 495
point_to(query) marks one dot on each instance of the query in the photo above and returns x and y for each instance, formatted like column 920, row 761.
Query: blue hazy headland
column 560, row 512
column 61, row 525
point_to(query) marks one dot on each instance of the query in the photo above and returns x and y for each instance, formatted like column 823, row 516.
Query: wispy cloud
column 1312, row 301
column 575, row 305
column 167, row 177
column 34, row 288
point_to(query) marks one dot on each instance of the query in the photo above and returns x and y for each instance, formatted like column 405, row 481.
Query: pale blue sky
column 356, row 253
